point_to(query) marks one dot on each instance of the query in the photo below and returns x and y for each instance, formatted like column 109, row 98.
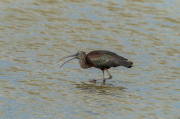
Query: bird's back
column 106, row 59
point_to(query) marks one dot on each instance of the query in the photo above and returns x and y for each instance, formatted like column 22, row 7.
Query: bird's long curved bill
column 66, row 61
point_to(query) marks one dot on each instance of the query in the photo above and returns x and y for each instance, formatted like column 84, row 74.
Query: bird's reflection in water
column 98, row 88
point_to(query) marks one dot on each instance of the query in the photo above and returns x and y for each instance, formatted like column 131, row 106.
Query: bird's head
column 78, row 55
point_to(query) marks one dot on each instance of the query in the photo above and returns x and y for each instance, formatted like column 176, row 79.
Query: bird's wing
column 106, row 60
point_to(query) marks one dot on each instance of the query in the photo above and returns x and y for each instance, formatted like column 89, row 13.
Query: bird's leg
column 94, row 80
column 104, row 79
column 110, row 77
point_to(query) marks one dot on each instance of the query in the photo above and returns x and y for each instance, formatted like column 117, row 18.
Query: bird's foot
column 93, row 81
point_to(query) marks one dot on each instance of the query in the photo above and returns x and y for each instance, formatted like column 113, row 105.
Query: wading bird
column 101, row 59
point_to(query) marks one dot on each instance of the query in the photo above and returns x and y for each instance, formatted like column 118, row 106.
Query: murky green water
column 35, row 34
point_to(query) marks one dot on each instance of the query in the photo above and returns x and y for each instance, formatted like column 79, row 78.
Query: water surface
column 35, row 34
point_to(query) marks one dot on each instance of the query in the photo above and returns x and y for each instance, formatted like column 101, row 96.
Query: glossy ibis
column 101, row 59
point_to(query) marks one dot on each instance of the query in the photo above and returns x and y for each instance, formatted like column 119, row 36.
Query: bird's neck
column 83, row 62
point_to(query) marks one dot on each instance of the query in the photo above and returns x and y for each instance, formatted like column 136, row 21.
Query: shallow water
column 35, row 34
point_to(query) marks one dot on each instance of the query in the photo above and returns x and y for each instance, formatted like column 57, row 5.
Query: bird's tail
column 130, row 64
column 126, row 63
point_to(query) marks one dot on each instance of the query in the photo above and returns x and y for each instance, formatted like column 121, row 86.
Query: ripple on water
column 36, row 34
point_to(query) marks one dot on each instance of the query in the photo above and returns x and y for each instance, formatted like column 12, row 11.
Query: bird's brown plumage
column 101, row 59
column 106, row 59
